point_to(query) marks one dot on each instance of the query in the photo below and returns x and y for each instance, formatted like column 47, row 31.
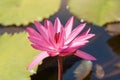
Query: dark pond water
column 98, row 47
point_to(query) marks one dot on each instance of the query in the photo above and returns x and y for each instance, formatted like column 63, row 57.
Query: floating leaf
column 99, row 72
column 113, row 28
column 25, row 11
column 96, row 11
column 15, row 54
column 83, row 69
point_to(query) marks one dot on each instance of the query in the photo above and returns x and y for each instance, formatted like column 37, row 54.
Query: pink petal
column 50, row 26
column 32, row 32
column 39, row 47
column 39, row 58
column 67, row 51
column 47, row 23
column 36, row 38
column 53, row 54
column 85, row 37
column 78, row 43
column 61, row 38
column 44, row 31
column 74, row 33
column 81, row 40
column 41, row 29
column 51, row 32
column 40, row 42
column 57, row 25
column 68, row 26
column 86, row 32
column 84, row 55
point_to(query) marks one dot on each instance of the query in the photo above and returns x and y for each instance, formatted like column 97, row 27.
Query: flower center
column 57, row 35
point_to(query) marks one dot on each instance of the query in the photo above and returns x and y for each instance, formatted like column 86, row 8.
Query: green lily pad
column 97, row 11
column 15, row 55
column 22, row 12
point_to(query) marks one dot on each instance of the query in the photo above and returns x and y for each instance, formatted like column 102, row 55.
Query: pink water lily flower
column 56, row 40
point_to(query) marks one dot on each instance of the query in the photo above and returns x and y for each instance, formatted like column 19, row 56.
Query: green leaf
column 22, row 12
column 97, row 11
column 15, row 55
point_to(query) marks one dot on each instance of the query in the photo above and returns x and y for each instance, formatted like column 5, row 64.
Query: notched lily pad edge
column 29, row 22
